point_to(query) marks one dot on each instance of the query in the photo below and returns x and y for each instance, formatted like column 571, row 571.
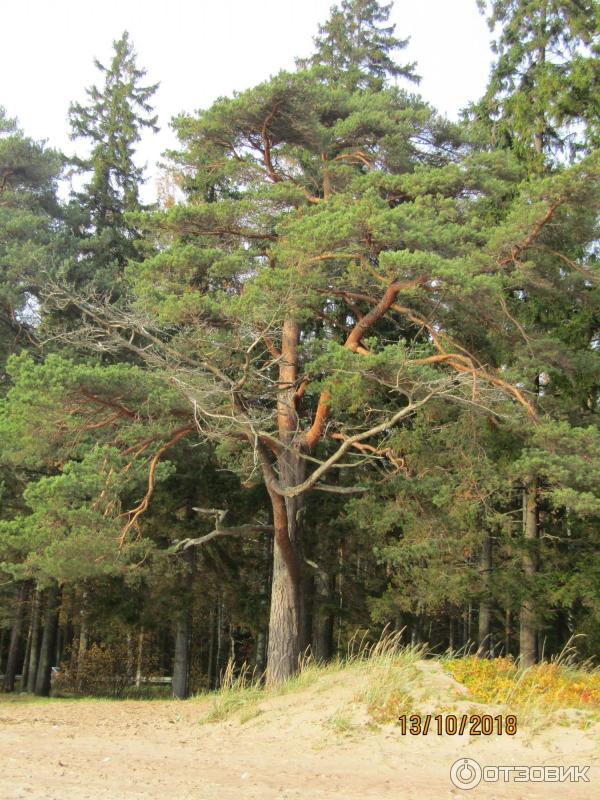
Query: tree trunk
column 181, row 664
column 287, row 635
column 340, row 592
column 34, row 650
column 15, row 641
column 262, row 638
column 287, row 622
column 527, row 629
column 60, row 644
column 140, row 655
column 219, row 654
column 130, row 658
column 231, row 657
column 183, row 630
column 322, row 622
column 83, row 642
column 212, row 621
column 26, row 654
column 2, row 637
column 469, row 620
column 48, row 646
column 484, row 640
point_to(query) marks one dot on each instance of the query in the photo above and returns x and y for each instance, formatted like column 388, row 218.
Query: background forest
column 344, row 375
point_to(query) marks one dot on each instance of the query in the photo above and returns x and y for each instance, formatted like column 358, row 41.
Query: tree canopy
column 348, row 378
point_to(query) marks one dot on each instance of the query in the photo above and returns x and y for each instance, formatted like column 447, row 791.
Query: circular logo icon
column 465, row 773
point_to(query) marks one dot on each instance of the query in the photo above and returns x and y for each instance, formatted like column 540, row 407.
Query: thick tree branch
column 142, row 507
column 458, row 361
column 317, row 429
column 323, row 487
column 294, row 491
column 119, row 408
column 386, row 452
column 240, row 530
column 519, row 248
column 353, row 343
column 587, row 274
column 266, row 140
column 462, row 364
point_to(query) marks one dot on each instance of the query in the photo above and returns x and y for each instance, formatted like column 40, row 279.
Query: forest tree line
column 343, row 375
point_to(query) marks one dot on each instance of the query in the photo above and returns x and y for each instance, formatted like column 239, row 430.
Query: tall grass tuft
column 391, row 675
column 387, row 665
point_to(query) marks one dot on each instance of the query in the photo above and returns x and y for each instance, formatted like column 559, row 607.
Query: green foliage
column 353, row 48
column 112, row 122
column 417, row 263
column 543, row 95
column 30, row 237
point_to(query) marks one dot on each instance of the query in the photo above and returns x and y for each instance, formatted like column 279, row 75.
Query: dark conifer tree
column 543, row 98
column 112, row 121
column 355, row 49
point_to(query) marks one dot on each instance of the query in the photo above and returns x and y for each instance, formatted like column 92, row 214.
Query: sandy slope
column 64, row 750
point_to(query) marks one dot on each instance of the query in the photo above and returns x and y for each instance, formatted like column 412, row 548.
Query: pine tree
column 280, row 296
column 29, row 230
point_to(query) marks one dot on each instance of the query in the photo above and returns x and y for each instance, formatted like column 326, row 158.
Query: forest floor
column 327, row 735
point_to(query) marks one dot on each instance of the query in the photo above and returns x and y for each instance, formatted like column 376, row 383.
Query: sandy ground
column 128, row 750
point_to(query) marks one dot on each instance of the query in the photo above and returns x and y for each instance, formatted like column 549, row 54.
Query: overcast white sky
column 200, row 50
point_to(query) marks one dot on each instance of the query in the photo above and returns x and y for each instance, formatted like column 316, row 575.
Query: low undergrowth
column 534, row 693
column 500, row 681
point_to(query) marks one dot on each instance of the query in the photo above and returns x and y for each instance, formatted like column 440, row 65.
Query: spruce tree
column 112, row 122
column 355, row 49
column 542, row 103
column 543, row 95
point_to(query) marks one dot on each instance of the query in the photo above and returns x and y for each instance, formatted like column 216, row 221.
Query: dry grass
column 386, row 668
column 391, row 674
column 238, row 692
column 391, row 684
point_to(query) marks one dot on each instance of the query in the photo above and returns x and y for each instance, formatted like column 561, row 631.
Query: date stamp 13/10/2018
column 457, row 725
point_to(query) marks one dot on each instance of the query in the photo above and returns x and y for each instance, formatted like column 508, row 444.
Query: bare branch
column 390, row 422
column 241, row 530
column 323, row 487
